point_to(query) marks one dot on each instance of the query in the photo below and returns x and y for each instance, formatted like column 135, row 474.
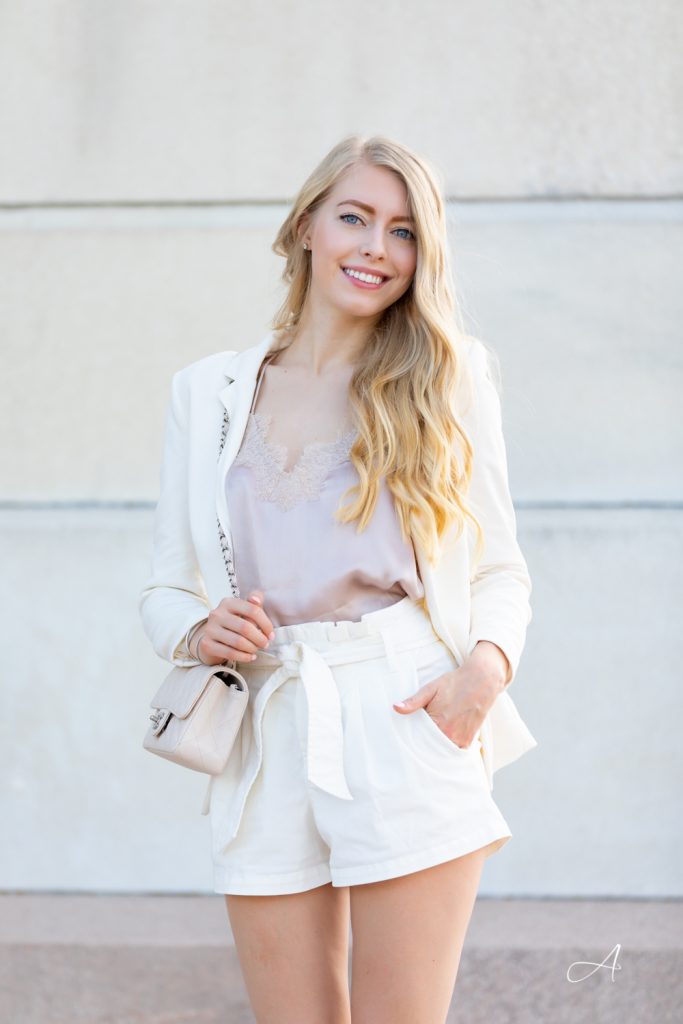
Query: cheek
column 330, row 254
column 333, row 242
column 405, row 261
column 407, row 273
column 325, row 260
column 409, row 263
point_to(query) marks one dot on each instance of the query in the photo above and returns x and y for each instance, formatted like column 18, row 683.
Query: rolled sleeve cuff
column 181, row 654
column 508, row 646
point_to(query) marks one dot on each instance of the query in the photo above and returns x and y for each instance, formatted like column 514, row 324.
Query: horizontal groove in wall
column 239, row 214
column 283, row 201
column 569, row 506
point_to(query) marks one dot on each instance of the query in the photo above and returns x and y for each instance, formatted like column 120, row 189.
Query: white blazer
column 192, row 556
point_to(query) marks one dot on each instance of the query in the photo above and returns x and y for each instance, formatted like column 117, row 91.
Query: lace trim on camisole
column 266, row 459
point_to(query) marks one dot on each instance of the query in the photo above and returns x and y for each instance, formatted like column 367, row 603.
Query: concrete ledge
column 146, row 960
column 32, row 919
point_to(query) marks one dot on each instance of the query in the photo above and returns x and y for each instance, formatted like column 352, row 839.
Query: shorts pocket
column 426, row 664
column 438, row 736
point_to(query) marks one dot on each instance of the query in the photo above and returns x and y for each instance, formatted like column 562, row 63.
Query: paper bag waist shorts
column 326, row 782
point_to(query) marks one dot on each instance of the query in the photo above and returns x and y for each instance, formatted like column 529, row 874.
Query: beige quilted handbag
column 197, row 715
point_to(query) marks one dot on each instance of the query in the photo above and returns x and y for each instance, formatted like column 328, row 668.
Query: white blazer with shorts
column 192, row 557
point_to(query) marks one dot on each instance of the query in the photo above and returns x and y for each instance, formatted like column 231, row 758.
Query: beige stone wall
column 149, row 151
column 155, row 100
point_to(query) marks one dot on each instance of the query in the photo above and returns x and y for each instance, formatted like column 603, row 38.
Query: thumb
column 417, row 700
column 256, row 597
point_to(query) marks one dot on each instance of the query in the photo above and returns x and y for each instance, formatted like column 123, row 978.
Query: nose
column 373, row 246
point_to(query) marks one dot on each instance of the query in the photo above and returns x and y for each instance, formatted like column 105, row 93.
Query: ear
column 303, row 228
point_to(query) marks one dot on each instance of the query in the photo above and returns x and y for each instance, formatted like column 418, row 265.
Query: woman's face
column 363, row 226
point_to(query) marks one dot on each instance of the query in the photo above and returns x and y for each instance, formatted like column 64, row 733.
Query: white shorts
column 327, row 782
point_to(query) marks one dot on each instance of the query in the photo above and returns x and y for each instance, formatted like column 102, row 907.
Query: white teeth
column 370, row 278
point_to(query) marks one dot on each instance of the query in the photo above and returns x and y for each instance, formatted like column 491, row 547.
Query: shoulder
column 192, row 384
column 472, row 365
column 479, row 386
column 483, row 365
column 214, row 370
column 202, row 377
column 478, row 355
column 208, row 367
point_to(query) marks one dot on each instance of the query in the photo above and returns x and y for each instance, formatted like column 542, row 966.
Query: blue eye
column 343, row 217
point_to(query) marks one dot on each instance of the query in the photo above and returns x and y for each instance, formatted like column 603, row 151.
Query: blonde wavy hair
column 402, row 395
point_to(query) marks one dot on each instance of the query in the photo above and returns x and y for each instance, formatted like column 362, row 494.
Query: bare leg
column 293, row 952
column 407, row 938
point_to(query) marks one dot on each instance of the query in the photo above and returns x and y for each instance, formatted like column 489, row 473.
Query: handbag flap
column 182, row 687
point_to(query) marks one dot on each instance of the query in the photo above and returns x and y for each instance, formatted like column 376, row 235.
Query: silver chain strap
column 225, row 547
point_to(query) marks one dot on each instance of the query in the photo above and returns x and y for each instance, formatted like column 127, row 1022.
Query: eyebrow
column 371, row 209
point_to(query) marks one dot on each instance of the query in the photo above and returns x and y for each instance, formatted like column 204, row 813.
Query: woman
column 377, row 637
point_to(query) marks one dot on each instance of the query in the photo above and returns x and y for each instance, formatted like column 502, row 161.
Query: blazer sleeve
column 174, row 597
column 500, row 587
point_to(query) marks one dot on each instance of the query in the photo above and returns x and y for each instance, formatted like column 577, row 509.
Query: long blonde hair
column 403, row 393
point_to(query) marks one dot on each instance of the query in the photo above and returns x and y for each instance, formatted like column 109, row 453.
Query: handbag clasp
column 160, row 717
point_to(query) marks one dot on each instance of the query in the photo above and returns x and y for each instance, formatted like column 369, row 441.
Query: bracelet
column 196, row 650
column 190, row 635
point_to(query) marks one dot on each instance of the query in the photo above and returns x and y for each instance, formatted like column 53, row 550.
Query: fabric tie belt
column 325, row 744
column 325, row 747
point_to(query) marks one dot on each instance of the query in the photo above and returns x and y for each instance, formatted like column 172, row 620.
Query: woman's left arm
column 501, row 586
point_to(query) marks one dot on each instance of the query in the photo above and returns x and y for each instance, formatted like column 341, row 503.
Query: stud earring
column 305, row 245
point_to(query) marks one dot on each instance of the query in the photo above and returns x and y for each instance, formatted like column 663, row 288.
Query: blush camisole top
column 287, row 543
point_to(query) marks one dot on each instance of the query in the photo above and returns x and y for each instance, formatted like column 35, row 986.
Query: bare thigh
column 407, row 938
column 293, row 952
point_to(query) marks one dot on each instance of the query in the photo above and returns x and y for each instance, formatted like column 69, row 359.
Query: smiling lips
column 364, row 279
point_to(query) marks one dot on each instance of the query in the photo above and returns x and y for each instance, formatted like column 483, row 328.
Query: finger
column 247, row 619
column 219, row 639
column 228, row 648
column 251, row 608
column 416, row 700
column 241, row 635
column 253, row 612
column 264, row 623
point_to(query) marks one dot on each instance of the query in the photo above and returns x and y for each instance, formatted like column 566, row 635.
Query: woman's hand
column 234, row 631
column 459, row 701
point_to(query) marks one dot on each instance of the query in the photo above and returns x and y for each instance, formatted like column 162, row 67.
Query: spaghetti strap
column 260, row 378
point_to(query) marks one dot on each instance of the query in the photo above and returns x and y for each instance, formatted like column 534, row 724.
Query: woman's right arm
column 173, row 598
